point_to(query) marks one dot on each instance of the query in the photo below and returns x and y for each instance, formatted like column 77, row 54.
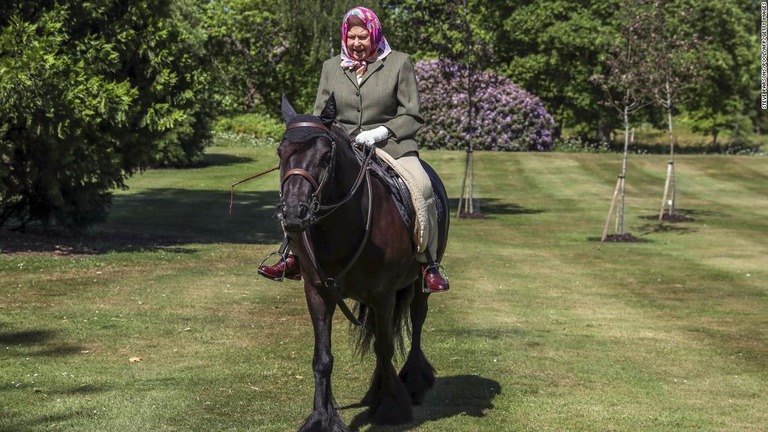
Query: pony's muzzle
column 296, row 217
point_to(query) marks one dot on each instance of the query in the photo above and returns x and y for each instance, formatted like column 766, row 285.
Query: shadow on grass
column 36, row 343
column 619, row 238
column 198, row 216
column 665, row 228
column 684, row 215
column 51, row 421
column 169, row 219
column 490, row 207
column 662, row 148
column 26, row 337
column 460, row 395
column 218, row 159
column 82, row 389
column 671, row 225
column 163, row 219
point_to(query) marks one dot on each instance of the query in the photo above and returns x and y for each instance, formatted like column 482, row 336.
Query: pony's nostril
column 303, row 210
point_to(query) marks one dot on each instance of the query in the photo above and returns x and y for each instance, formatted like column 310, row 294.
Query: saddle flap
column 396, row 187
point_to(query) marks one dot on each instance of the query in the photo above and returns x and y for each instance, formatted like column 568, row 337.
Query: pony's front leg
column 324, row 415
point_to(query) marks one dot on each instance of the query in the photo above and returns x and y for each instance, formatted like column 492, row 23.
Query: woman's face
column 358, row 43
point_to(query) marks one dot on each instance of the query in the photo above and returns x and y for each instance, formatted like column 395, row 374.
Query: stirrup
column 440, row 269
column 283, row 258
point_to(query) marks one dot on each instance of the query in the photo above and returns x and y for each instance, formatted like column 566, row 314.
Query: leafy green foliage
column 730, row 46
column 248, row 130
column 552, row 47
column 264, row 48
column 89, row 94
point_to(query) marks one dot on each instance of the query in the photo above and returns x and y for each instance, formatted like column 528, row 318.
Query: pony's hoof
column 392, row 411
column 418, row 376
column 324, row 422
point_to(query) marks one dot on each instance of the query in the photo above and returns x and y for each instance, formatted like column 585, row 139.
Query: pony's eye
column 325, row 159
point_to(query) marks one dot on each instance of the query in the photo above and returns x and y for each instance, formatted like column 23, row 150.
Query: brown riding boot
column 433, row 280
column 283, row 269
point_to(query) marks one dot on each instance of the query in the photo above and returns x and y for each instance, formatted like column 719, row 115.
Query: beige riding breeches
column 411, row 163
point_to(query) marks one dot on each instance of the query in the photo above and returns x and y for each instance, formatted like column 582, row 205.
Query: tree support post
column 467, row 193
column 669, row 191
column 616, row 190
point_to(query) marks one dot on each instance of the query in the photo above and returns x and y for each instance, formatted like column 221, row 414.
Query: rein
column 232, row 188
column 332, row 283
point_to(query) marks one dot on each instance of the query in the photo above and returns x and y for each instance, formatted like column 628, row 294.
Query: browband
column 308, row 124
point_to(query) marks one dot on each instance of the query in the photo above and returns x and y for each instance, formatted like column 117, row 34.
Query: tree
column 91, row 92
column 246, row 44
column 676, row 68
column 626, row 83
column 552, row 48
column 725, row 99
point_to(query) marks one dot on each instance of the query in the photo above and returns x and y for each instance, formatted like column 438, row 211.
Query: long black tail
column 401, row 325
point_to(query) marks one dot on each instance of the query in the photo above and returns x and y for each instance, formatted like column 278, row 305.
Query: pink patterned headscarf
column 379, row 45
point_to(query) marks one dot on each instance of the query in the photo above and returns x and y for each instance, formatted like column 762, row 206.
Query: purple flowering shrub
column 506, row 117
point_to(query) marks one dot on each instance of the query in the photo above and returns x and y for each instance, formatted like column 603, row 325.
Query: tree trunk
column 623, row 176
column 669, row 196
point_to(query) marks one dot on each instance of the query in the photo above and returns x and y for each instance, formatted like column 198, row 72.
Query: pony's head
column 306, row 162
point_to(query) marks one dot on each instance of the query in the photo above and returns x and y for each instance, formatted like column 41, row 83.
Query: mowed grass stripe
column 644, row 278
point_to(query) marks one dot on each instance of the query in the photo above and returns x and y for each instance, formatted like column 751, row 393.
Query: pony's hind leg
column 387, row 397
column 324, row 417
column 417, row 373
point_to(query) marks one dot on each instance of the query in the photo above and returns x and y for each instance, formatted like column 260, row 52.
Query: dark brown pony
column 352, row 243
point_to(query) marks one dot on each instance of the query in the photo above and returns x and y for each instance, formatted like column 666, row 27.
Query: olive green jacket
column 387, row 95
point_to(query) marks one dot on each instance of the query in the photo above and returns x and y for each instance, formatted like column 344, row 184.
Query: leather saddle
column 395, row 186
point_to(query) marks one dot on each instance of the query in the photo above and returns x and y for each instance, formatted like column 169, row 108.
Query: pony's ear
column 288, row 111
column 329, row 112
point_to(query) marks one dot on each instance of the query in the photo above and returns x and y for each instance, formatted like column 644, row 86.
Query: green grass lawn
column 156, row 320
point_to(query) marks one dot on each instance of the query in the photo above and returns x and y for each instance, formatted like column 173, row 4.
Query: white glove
column 368, row 138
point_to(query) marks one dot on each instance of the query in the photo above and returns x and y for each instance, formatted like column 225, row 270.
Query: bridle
column 315, row 205
column 318, row 211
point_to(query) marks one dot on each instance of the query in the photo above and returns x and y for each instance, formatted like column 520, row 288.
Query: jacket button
column 357, row 93
column 358, row 109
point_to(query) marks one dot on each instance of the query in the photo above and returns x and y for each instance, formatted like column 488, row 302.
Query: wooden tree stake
column 616, row 190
